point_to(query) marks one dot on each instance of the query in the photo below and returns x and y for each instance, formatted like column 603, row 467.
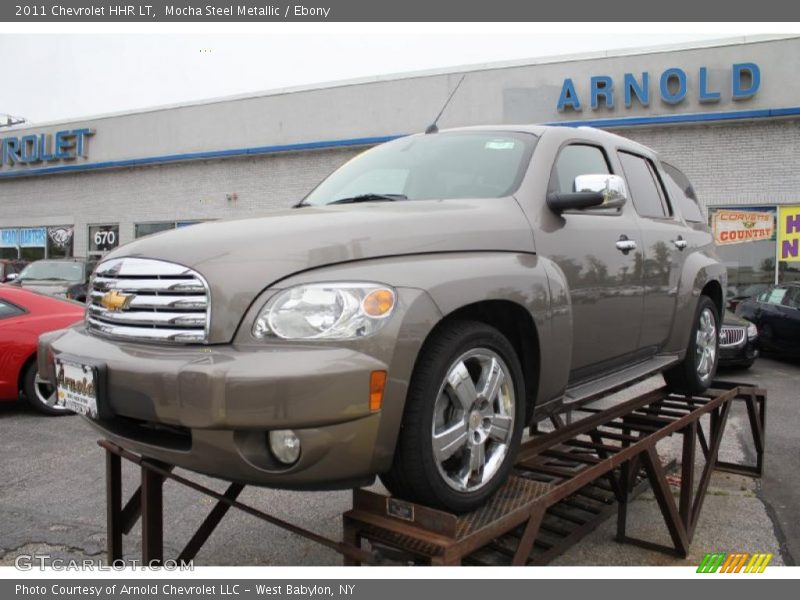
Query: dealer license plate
column 76, row 386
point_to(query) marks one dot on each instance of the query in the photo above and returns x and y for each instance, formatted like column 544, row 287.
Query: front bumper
column 210, row 408
column 740, row 354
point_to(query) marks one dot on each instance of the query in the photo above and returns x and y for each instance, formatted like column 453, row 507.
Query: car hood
column 241, row 258
column 51, row 288
column 733, row 320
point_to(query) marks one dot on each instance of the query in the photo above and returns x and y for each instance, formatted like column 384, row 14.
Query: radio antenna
column 433, row 128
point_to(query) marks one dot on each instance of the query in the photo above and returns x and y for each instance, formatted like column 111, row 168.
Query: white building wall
column 171, row 192
column 734, row 163
column 755, row 162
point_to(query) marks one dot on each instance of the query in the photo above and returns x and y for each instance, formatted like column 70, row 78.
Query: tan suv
column 407, row 319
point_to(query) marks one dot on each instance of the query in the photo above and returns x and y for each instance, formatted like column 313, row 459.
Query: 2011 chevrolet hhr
column 407, row 319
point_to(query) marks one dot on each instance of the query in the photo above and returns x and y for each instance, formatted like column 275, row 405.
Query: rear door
column 665, row 244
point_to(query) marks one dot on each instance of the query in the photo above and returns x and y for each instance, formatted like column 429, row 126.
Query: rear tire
column 37, row 392
column 699, row 367
column 463, row 419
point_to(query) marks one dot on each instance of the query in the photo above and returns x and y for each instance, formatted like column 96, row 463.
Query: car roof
column 565, row 131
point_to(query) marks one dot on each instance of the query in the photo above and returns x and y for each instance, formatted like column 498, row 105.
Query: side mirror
column 591, row 191
column 12, row 276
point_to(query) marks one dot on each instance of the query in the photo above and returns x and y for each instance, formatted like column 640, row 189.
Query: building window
column 60, row 241
column 103, row 238
column 35, row 243
column 143, row 229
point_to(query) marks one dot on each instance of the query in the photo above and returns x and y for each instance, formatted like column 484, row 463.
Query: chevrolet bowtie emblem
column 115, row 300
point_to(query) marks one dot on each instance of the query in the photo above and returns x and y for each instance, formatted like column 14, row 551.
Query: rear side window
column 9, row 310
column 773, row 296
column 644, row 186
column 578, row 159
column 680, row 188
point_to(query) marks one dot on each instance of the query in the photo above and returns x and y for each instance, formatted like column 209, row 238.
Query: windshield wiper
column 369, row 198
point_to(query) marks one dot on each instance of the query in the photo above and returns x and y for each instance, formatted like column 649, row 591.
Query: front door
column 604, row 277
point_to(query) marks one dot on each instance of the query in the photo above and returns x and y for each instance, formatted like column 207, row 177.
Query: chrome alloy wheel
column 706, row 344
column 473, row 420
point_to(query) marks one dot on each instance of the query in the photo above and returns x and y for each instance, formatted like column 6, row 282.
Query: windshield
column 45, row 270
column 432, row 167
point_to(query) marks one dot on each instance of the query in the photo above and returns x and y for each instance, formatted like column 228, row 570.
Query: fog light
column 285, row 445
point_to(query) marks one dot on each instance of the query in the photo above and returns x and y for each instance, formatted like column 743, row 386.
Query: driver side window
column 574, row 160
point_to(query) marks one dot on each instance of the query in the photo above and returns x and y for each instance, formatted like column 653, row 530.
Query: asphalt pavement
column 52, row 497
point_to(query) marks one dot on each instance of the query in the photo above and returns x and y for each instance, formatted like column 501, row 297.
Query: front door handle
column 625, row 244
column 680, row 243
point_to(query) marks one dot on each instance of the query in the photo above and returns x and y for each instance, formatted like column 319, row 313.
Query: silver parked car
column 407, row 319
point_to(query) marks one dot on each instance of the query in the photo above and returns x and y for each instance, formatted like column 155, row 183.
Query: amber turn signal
column 378, row 303
column 377, row 382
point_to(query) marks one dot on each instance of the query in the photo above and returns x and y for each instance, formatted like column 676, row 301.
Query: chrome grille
column 145, row 299
column 731, row 336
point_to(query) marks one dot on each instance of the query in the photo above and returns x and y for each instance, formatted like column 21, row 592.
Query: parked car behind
column 735, row 296
column 409, row 318
column 60, row 277
column 738, row 342
column 24, row 316
column 10, row 269
column 776, row 313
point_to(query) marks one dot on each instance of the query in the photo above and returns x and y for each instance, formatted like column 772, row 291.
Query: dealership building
column 727, row 113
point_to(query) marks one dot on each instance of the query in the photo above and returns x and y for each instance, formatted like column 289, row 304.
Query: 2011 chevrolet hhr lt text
column 407, row 319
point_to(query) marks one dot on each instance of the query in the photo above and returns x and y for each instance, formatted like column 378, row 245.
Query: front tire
column 463, row 420
column 39, row 393
column 699, row 367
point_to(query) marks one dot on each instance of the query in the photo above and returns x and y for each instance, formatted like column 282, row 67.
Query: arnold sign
column 737, row 226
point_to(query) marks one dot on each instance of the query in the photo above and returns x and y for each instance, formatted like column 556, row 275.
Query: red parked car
column 24, row 316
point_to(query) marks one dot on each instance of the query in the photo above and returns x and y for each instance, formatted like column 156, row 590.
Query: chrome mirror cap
column 612, row 187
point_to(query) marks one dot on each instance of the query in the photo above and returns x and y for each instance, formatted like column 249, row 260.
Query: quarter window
column 644, row 186
column 682, row 190
column 9, row 310
column 578, row 159
column 773, row 296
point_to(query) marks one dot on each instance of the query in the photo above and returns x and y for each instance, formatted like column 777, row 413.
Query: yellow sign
column 735, row 226
column 789, row 234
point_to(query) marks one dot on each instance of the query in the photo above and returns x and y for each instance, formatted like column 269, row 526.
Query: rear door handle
column 680, row 243
column 625, row 244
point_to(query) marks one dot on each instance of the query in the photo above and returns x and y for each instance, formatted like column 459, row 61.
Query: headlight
column 326, row 311
column 752, row 331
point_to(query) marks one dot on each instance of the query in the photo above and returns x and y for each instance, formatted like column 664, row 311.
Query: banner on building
column 742, row 225
column 789, row 234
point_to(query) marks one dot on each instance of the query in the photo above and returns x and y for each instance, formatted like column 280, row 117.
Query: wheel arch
column 26, row 364
column 713, row 289
column 703, row 275
column 516, row 323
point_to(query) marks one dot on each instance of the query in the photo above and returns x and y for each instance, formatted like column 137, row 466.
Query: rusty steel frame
column 147, row 502
column 592, row 466
column 616, row 444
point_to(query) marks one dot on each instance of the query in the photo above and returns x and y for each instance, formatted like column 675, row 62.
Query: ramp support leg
column 113, row 506
column 152, row 516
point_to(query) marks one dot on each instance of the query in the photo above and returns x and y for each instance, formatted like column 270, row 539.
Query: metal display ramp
column 565, row 483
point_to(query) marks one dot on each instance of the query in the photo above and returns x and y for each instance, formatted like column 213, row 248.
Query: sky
column 55, row 76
